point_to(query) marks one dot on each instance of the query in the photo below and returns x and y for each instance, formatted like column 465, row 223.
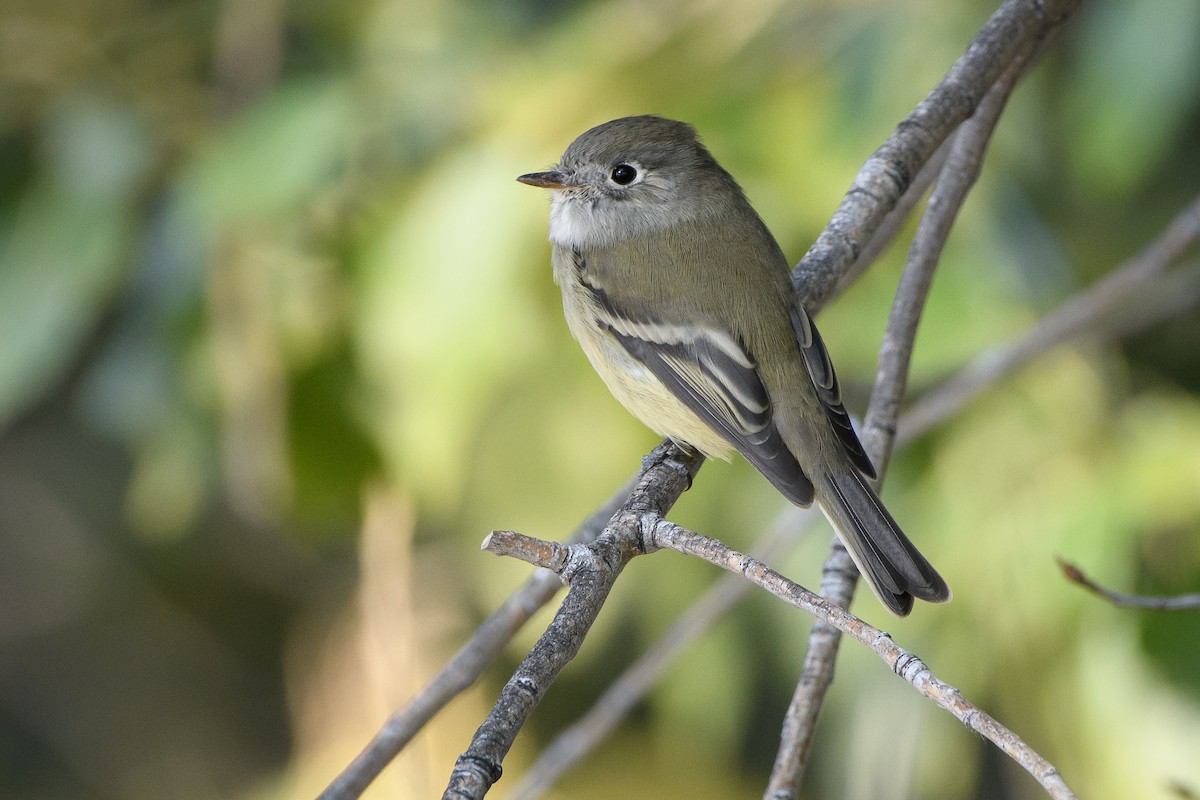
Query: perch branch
column 464, row 668
column 573, row 743
column 590, row 570
column 666, row 534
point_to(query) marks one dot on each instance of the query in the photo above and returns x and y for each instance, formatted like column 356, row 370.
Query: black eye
column 623, row 174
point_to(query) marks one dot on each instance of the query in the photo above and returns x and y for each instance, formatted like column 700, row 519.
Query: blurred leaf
column 1135, row 88
column 62, row 250
column 61, row 261
column 272, row 157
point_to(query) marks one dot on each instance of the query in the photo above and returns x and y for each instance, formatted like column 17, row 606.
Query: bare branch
column 572, row 744
column 464, row 668
column 894, row 221
column 553, row 556
column 957, row 177
column 1077, row 314
column 591, row 570
column 837, row 246
column 906, row 665
column 1160, row 300
column 1182, row 602
column 1013, row 33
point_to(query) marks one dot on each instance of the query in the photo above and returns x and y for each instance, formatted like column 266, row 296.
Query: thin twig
column 590, row 570
column 464, row 668
column 908, row 666
column 958, row 176
column 553, row 556
column 1076, row 314
column 839, row 576
column 1162, row 299
column 1182, row 602
column 581, row 737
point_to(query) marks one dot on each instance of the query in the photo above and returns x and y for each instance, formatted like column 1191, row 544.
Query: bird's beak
column 551, row 179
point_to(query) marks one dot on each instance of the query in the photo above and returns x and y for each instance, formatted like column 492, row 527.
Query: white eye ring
column 625, row 173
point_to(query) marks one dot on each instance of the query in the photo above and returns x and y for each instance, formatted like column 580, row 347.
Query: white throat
column 582, row 221
column 574, row 223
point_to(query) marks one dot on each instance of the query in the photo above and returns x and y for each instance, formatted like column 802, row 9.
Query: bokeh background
column 279, row 345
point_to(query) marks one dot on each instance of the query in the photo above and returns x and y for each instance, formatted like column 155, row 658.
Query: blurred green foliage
column 265, row 277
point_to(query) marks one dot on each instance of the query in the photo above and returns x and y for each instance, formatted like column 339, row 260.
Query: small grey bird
column 683, row 302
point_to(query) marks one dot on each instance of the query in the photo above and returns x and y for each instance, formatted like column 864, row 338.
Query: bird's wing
column 820, row 369
column 716, row 377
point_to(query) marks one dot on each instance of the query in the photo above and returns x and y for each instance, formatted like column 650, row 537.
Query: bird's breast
column 628, row 379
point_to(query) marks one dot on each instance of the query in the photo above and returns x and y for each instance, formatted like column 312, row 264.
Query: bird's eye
column 623, row 174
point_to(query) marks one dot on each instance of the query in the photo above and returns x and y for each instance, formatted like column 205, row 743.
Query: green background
column 279, row 345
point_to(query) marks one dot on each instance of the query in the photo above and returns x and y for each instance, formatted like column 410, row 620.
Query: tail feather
column 893, row 568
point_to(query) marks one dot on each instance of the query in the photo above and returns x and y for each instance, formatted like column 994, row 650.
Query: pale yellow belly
column 643, row 394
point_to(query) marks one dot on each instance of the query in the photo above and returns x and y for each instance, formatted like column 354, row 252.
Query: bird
column 682, row 301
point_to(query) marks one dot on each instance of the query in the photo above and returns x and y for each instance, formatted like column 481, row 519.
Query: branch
column 1182, row 602
column 908, row 666
column 1077, row 314
column 573, row 743
column 1012, row 33
column 996, row 69
column 464, row 668
column 1164, row 298
column 839, row 576
column 958, row 176
column 590, row 570
column 894, row 221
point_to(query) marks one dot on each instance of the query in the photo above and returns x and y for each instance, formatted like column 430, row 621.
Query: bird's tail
column 893, row 568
